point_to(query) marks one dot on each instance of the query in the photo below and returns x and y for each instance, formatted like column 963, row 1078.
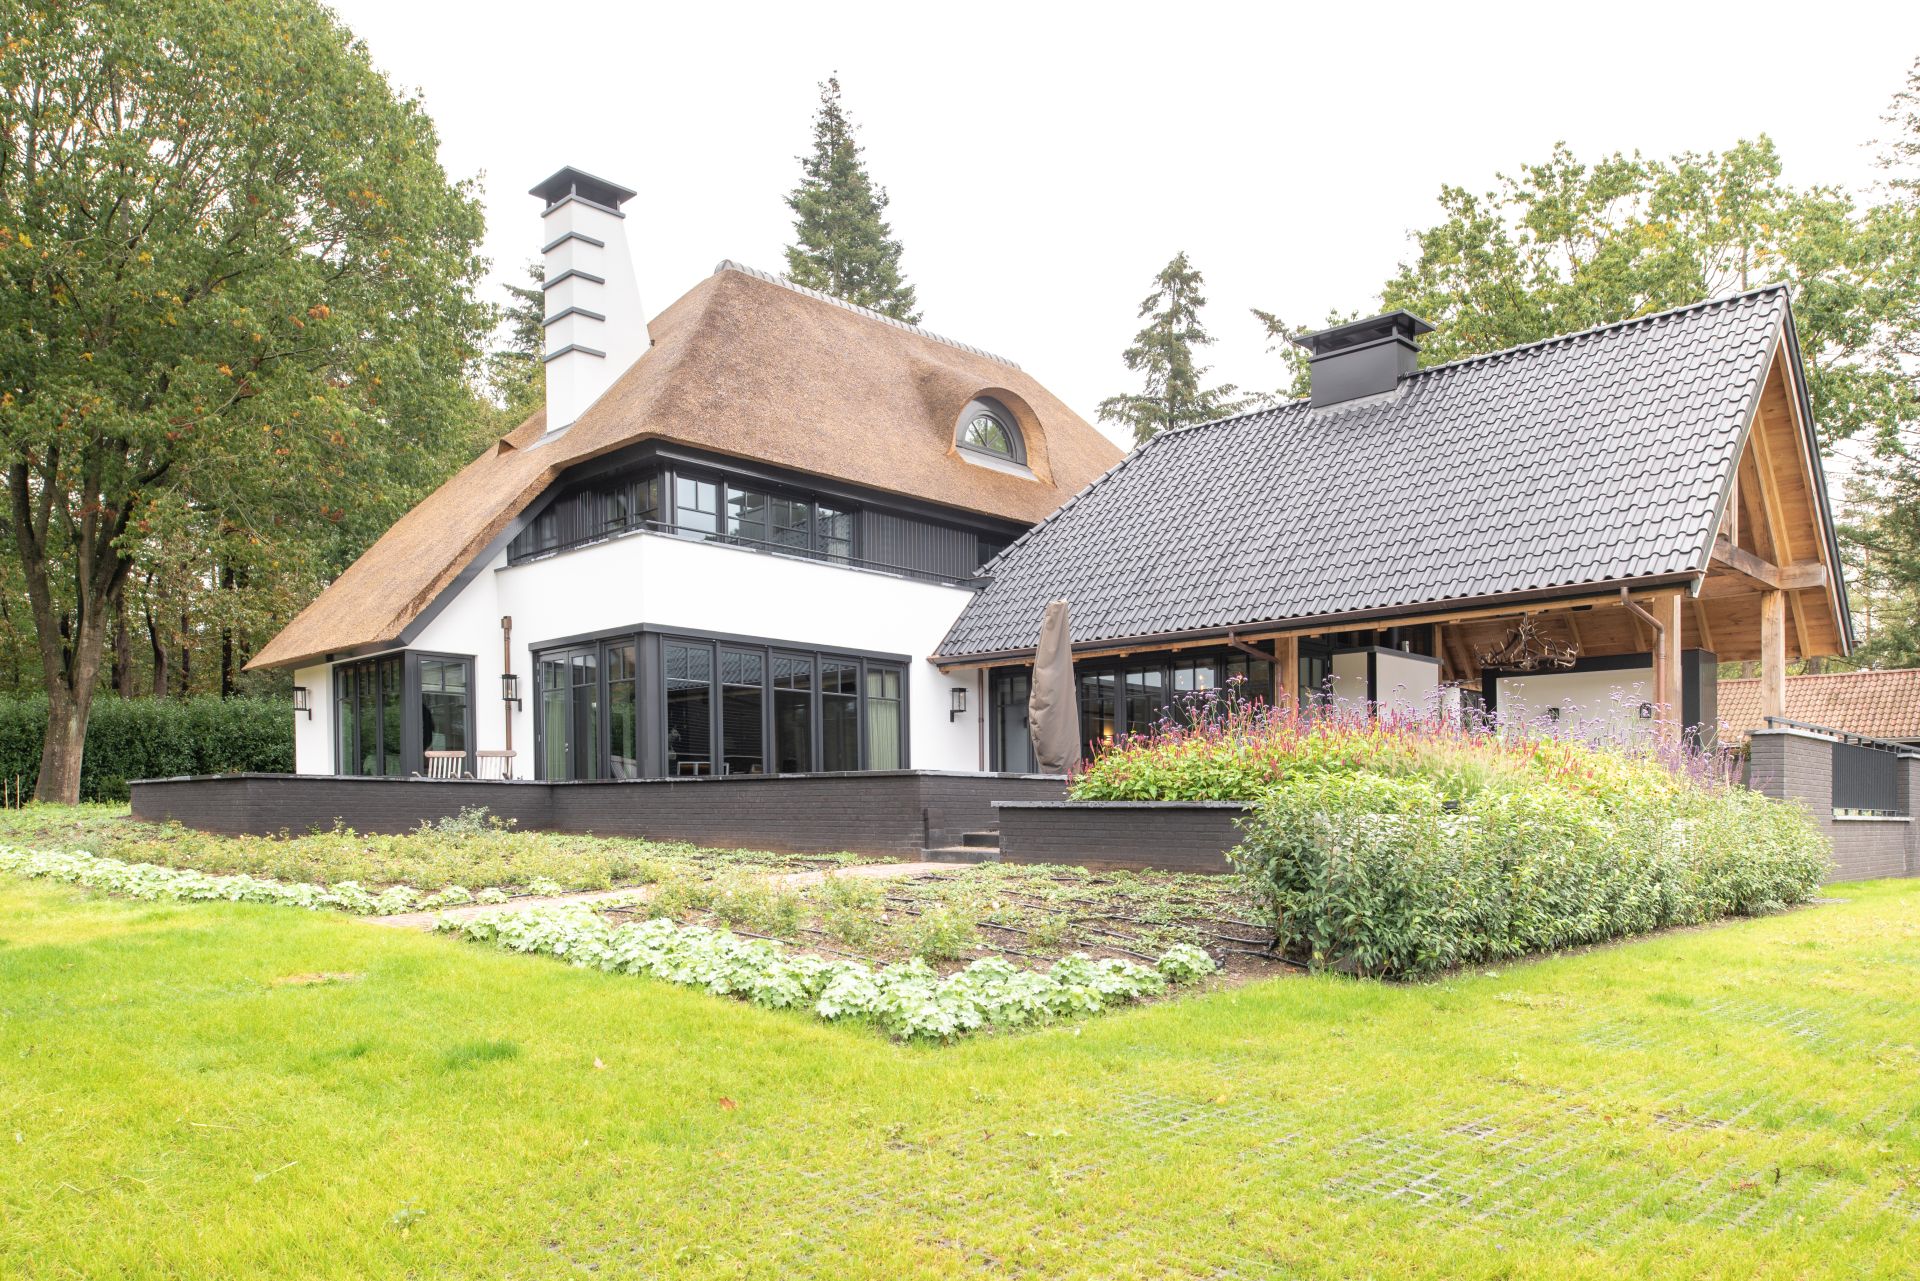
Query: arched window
column 987, row 428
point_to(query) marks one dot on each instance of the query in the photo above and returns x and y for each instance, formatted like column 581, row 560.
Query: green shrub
column 1379, row 875
column 153, row 738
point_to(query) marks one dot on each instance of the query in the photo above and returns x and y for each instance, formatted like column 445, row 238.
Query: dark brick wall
column 1792, row 765
column 1180, row 836
column 893, row 812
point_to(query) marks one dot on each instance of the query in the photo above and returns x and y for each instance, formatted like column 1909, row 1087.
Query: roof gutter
column 1318, row 623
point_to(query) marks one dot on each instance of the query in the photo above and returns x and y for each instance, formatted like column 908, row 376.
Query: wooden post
column 1773, row 653
column 1666, row 663
column 1286, row 672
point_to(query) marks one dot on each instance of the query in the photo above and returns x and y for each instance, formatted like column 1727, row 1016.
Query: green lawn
column 180, row 1100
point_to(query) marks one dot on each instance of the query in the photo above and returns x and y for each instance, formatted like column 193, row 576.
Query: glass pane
column 1146, row 698
column 646, row 499
column 390, row 717
column 367, row 719
column 883, row 718
column 1096, row 709
column 834, row 533
column 1249, row 678
column 587, row 761
column 443, row 705
column 986, row 432
column 623, row 724
column 1009, row 697
column 743, row 695
column 790, row 523
column 344, row 756
column 746, row 514
column 615, row 509
column 839, row 714
column 689, row 672
column 792, row 714
column 553, row 718
column 696, row 505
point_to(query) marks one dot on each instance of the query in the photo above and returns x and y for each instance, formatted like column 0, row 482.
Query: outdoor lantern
column 959, row 705
column 300, row 701
column 1646, row 711
column 510, row 689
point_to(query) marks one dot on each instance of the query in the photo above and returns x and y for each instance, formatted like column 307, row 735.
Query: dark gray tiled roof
column 1584, row 459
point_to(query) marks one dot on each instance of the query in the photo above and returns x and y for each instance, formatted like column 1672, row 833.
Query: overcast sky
column 1046, row 160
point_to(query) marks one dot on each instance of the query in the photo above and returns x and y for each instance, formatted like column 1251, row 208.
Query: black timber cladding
column 1590, row 459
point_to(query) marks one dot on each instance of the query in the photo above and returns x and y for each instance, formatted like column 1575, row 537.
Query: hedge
column 153, row 738
column 1381, row 875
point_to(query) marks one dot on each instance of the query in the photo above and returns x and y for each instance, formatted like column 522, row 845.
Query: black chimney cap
column 1356, row 333
column 578, row 182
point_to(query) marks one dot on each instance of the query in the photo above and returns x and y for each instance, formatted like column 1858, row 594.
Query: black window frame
column 344, row 676
column 987, row 407
column 651, row 695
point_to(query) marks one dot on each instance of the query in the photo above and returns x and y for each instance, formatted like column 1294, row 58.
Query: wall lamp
column 301, row 703
column 958, row 707
column 510, row 690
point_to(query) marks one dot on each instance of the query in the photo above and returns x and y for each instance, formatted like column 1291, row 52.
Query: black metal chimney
column 1363, row 357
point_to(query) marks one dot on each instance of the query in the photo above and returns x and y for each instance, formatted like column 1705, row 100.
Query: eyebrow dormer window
column 987, row 428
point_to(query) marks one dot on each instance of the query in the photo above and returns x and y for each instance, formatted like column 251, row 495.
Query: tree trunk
column 226, row 641
column 122, row 649
column 159, row 655
column 186, row 657
column 64, row 749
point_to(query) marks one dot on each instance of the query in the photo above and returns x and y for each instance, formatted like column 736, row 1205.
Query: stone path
column 789, row 880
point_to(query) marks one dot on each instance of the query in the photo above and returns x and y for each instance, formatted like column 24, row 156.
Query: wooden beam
column 1700, row 623
column 1667, row 682
column 1801, row 646
column 1773, row 654
column 1782, row 544
column 1794, row 577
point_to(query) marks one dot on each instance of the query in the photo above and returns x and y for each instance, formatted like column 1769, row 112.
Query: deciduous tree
column 237, row 304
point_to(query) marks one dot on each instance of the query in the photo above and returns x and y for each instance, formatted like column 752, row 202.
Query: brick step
column 989, row 839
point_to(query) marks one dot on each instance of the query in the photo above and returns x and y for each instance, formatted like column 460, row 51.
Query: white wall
column 1405, row 682
column 1592, row 704
column 708, row 587
column 313, row 735
column 1349, row 683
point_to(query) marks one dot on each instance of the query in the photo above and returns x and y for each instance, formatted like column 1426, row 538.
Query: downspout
column 1662, row 679
column 506, row 669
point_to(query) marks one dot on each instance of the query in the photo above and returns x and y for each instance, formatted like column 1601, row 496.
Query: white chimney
column 595, row 328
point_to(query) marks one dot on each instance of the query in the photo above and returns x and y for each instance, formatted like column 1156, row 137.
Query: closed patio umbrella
column 1053, row 712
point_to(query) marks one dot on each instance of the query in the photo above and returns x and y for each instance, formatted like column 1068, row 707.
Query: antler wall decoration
column 1526, row 650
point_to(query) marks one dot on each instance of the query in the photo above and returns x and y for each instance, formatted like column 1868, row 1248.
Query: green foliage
column 236, row 314
column 470, row 852
column 844, row 245
column 1164, row 352
column 154, row 738
column 942, row 932
column 1376, row 875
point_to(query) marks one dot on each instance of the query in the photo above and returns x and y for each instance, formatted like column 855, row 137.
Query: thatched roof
column 747, row 365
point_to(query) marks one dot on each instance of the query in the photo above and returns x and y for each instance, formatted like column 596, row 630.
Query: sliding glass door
column 574, row 693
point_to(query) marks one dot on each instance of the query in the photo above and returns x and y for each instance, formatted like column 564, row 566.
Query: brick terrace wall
column 1180, row 836
column 1794, row 765
column 896, row 812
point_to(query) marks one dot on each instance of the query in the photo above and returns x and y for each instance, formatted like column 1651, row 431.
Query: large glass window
column 839, row 714
column 1248, row 678
column 792, row 713
column 1097, row 708
column 554, row 718
column 746, row 514
column 790, row 523
column 445, row 707
column 689, row 677
column 743, row 700
column 1012, row 741
column 886, row 718
column 623, row 712
column 378, row 733
column 696, row 505
column 1146, row 693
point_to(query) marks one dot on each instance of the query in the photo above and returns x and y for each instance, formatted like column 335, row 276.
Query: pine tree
column 516, row 379
column 1164, row 352
column 845, row 246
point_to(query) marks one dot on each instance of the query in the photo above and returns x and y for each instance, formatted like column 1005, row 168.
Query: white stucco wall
column 675, row 583
column 1405, row 682
column 1592, row 704
column 313, row 735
